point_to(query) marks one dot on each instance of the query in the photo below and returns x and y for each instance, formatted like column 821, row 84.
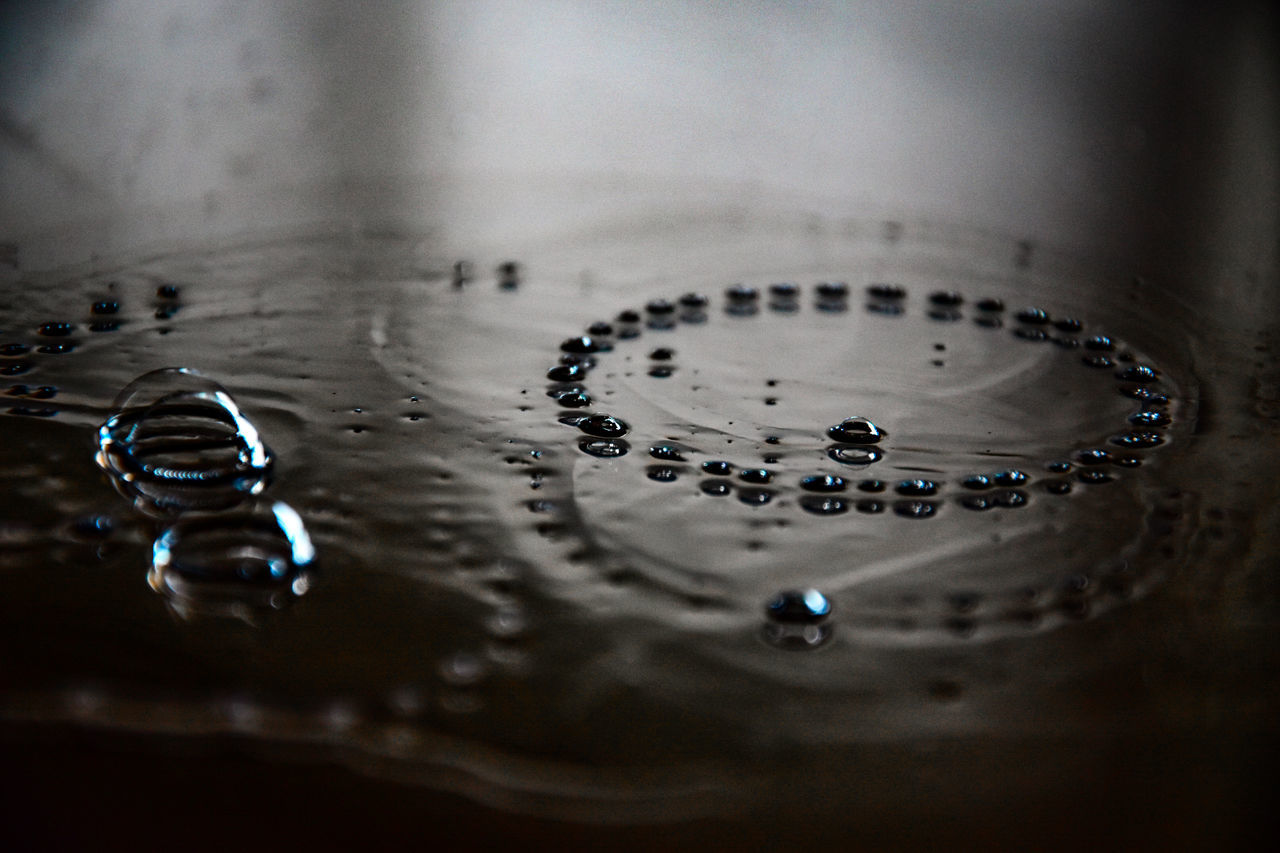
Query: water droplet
column 871, row 506
column 1093, row 456
column 1127, row 460
column 662, row 473
column 832, row 289
column 1146, row 396
column 717, row 468
column 1100, row 343
column 104, row 326
column 56, row 329
column 976, row 481
column 662, row 371
column 462, row 273
column 755, row 497
column 742, row 293
column 694, row 300
column 1057, row 487
column 784, row 290
column 661, row 307
column 1094, row 476
column 574, row 399
column 760, row 476
column 915, row 509
column 16, row 368
column 662, row 354
column 715, row 488
column 978, row 503
column 58, row 348
column 1150, row 418
column 629, row 317
column 1139, row 373
column 946, row 298
column 1137, row 440
column 567, row 373
column 871, row 485
column 847, row 455
column 14, row 349
column 797, row 619
column 1011, row 477
column 803, row 606
column 583, row 344
column 600, row 329
column 106, row 306
column 823, row 483
column 1066, row 343
column 885, row 309
column 1059, row 467
column 260, row 557
column 667, row 453
column 1035, row 335
column 604, row 448
column 989, row 322
column 916, row 488
column 167, row 291
column 1068, row 324
column 944, row 315
column 604, row 426
column 1032, row 316
column 990, row 304
column 508, row 275
column 176, row 441
column 886, row 291
column 94, row 527
column 856, row 430
column 1099, row 361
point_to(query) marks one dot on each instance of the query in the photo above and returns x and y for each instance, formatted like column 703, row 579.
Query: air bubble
column 1137, row 440
column 916, row 488
column 176, row 441
column 886, row 291
column 797, row 619
column 603, row 426
column 1150, row 418
column 259, row 558
column 856, row 430
column 1139, row 373
column 567, row 373
column 583, row 344
column 823, row 483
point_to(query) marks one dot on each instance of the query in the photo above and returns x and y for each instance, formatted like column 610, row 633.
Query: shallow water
column 568, row 619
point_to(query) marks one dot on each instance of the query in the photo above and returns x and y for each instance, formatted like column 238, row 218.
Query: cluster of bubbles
column 177, row 445
column 855, row 441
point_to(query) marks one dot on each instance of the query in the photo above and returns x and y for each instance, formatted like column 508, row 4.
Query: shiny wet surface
column 561, row 612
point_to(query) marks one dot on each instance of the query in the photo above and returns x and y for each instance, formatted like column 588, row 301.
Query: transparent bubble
column 250, row 559
column 176, row 442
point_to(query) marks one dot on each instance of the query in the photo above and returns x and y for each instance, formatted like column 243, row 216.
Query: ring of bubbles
column 831, row 469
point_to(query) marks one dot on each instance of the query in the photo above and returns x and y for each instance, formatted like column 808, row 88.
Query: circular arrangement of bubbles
column 179, row 447
column 855, row 446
